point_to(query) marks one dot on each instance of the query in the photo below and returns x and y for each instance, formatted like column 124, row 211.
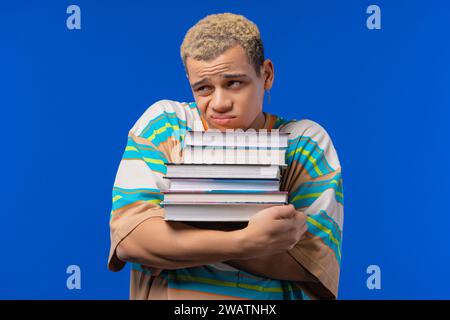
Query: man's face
column 227, row 90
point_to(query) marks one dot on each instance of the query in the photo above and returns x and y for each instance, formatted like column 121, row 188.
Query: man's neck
column 259, row 122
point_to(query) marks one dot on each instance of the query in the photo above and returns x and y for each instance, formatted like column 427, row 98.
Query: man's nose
column 221, row 103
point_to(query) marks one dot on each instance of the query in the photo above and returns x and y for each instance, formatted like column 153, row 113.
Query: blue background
column 69, row 97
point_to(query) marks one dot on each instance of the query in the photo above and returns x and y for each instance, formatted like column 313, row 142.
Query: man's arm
column 281, row 266
column 175, row 245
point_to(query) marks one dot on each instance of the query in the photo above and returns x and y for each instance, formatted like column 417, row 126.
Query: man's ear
column 268, row 74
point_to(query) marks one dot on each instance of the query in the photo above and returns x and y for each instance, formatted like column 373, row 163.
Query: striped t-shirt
column 312, row 179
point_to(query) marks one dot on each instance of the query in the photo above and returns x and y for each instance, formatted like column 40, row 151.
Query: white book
column 218, row 155
column 238, row 138
column 225, row 196
column 181, row 170
column 177, row 184
column 213, row 212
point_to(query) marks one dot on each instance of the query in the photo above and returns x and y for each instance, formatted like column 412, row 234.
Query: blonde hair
column 216, row 33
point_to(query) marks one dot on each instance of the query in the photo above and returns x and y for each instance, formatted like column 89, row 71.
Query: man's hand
column 273, row 230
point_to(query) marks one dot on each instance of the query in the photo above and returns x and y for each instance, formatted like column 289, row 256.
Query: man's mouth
column 222, row 119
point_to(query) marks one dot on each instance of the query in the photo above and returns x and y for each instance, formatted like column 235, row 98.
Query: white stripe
column 158, row 108
column 327, row 201
column 135, row 174
column 316, row 132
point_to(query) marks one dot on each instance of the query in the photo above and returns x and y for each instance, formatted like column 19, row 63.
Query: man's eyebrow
column 225, row 76
column 236, row 75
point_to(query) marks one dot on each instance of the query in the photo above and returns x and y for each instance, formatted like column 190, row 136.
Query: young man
column 284, row 252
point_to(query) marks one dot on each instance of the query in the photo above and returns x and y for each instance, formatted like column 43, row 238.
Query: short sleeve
column 313, row 179
column 136, row 196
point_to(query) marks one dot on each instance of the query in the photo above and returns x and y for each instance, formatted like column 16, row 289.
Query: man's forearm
column 280, row 266
column 175, row 245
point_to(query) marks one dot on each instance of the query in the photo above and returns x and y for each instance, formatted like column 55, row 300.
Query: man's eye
column 202, row 89
column 235, row 83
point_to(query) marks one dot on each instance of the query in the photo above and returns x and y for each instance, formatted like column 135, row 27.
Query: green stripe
column 123, row 197
column 314, row 155
column 307, row 193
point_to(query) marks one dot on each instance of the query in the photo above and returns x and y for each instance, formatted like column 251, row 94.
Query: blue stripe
column 279, row 122
column 161, row 122
column 148, row 152
column 144, row 147
column 337, row 176
column 308, row 144
column 328, row 222
column 129, row 196
column 235, row 290
column 326, row 238
column 192, row 105
column 309, row 188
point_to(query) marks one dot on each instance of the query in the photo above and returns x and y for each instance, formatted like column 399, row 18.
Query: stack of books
column 226, row 176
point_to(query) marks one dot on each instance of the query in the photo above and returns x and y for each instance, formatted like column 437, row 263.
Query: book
column 183, row 170
column 229, row 196
column 238, row 138
column 226, row 176
column 213, row 211
column 238, row 155
column 183, row 184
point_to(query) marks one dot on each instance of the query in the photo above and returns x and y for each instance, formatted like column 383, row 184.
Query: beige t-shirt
column 312, row 179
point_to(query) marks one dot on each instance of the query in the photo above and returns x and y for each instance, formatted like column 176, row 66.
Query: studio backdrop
column 76, row 75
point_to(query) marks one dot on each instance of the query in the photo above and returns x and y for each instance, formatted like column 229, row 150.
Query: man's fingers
column 285, row 212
